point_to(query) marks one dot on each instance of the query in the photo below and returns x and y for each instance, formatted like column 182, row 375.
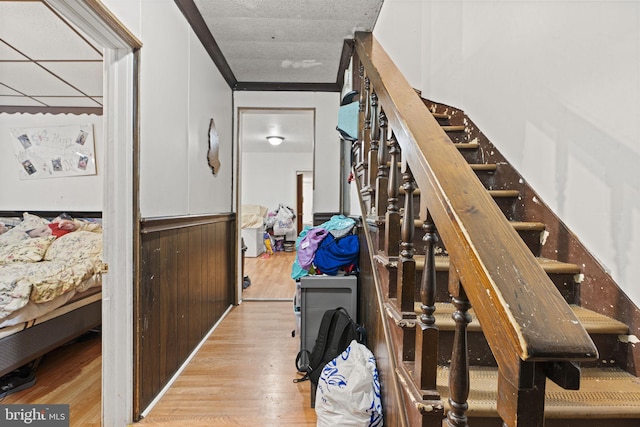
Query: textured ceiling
column 280, row 44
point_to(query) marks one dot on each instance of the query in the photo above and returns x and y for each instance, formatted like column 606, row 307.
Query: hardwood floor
column 270, row 276
column 69, row 375
column 242, row 375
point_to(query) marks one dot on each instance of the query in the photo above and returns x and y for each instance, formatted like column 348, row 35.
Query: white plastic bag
column 284, row 221
column 348, row 391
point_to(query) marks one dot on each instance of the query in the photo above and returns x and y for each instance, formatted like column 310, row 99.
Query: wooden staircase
column 548, row 352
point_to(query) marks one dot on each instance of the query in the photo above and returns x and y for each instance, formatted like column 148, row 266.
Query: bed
column 50, row 288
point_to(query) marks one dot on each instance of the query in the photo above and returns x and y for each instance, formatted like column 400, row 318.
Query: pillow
column 18, row 233
column 29, row 250
column 29, row 222
column 74, row 246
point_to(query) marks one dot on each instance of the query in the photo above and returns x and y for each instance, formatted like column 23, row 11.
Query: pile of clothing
column 327, row 249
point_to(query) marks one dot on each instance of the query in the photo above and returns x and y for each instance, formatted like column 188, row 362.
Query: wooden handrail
column 522, row 313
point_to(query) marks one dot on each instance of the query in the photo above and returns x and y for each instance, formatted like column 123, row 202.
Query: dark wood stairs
column 609, row 393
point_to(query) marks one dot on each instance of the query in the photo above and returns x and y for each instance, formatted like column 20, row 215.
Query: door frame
column 239, row 111
column 301, row 182
column 120, row 198
column 299, row 200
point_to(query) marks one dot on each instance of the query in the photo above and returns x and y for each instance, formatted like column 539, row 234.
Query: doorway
column 273, row 180
column 121, row 50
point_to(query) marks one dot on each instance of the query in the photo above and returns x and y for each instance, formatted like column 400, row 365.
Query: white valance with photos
column 54, row 151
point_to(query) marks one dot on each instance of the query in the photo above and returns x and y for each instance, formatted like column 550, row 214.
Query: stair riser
column 458, row 136
column 442, row 286
column 503, row 178
column 509, row 207
column 479, row 351
column 488, row 179
column 472, row 156
column 567, row 286
column 532, row 240
column 610, row 351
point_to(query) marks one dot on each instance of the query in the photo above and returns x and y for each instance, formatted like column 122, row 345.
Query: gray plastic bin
column 319, row 294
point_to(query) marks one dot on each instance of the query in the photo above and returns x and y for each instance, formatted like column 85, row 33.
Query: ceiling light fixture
column 275, row 140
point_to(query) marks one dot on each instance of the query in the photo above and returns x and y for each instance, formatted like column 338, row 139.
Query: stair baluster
column 459, row 369
column 366, row 130
column 382, row 179
column 392, row 216
column 374, row 136
column 427, row 334
column 407, row 266
column 363, row 116
column 367, row 189
column 357, row 148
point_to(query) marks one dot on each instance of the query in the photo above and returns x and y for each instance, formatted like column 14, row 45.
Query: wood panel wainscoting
column 187, row 277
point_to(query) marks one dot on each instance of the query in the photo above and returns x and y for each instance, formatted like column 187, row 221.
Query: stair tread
column 483, row 167
column 609, row 392
column 558, row 267
column 528, row 225
column 550, row 266
column 453, row 128
column 440, row 115
column 466, row 145
column 593, row 322
column 504, row 193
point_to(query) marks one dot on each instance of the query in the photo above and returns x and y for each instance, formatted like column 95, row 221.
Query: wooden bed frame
column 29, row 344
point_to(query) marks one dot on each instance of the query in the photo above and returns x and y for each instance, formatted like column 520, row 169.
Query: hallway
column 243, row 374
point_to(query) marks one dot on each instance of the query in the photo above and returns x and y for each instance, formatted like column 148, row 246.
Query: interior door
column 299, row 202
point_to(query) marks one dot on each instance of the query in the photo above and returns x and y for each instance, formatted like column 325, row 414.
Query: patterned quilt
column 41, row 269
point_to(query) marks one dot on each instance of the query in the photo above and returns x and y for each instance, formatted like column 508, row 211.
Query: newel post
column 407, row 266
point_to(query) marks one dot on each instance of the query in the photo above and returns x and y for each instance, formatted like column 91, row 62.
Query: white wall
column 326, row 195
column 556, row 86
column 180, row 91
column 77, row 193
column 269, row 179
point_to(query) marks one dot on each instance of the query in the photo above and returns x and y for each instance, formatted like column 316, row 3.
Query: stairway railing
column 529, row 327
